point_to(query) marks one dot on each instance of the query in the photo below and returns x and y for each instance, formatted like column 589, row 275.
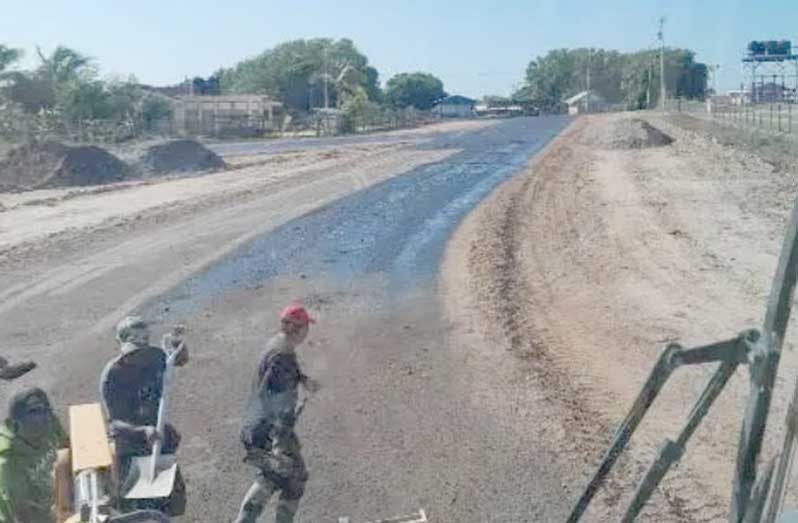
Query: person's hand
column 181, row 358
column 151, row 434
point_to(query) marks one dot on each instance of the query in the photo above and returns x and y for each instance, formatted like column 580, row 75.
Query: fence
column 333, row 122
column 777, row 117
column 18, row 126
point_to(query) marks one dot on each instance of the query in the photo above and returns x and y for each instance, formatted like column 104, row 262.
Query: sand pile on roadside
column 179, row 156
column 39, row 165
column 627, row 133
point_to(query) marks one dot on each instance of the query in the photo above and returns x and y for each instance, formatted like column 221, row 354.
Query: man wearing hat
column 130, row 389
column 268, row 433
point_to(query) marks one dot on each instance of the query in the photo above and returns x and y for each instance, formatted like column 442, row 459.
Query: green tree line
column 303, row 74
column 323, row 72
column 66, row 83
column 622, row 78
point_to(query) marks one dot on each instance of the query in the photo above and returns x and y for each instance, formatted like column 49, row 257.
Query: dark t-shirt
column 131, row 386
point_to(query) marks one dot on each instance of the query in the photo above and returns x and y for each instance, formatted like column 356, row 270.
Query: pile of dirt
column 179, row 156
column 631, row 133
column 39, row 165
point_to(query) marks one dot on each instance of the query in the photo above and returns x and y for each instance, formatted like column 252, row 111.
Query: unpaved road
column 404, row 420
column 584, row 266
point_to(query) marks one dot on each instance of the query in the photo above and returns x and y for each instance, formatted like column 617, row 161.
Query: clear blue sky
column 475, row 47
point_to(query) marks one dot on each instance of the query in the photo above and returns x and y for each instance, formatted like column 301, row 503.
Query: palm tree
column 8, row 56
column 63, row 64
column 343, row 76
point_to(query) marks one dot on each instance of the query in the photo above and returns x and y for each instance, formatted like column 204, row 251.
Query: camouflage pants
column 281, row 469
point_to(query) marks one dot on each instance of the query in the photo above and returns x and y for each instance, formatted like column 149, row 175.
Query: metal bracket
column 730, row 352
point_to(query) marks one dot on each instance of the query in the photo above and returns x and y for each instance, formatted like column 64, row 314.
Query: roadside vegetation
column 65, row 93
column 629, row 80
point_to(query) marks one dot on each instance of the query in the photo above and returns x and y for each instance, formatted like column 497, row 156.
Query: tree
column 304, row 74
column 8, row 56
column 631, row 78
column 493, row 100
column 64, row 65
column 420, row 90
column 211, row 86
column 154, row 109
column 355, row 110
column 45, row 86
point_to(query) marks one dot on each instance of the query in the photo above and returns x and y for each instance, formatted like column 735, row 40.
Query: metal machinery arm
column 762, row 352
column 730, row 352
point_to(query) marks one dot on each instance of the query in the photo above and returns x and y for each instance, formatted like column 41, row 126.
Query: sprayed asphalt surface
column 403, row 420
column 397, row 229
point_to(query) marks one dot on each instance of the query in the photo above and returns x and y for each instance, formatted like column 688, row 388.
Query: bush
column 154, row 109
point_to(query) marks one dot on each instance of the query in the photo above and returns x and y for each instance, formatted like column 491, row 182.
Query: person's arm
column 123, row 429
column 11, row 372
column 309, row 383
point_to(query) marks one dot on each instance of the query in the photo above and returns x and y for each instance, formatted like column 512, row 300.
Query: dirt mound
column 179, row 156
column 630, row 133
column 38, row 165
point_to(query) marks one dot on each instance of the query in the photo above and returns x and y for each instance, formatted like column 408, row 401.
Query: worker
column 130, row 389
column 10, row 371
column 268, row 433
column 29, row 440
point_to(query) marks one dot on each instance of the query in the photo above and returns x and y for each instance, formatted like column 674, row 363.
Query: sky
column 475, row 47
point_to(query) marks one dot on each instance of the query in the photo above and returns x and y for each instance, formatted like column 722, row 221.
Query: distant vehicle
column 498, row 111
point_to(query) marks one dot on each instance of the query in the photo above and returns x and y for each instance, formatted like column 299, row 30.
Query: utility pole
column 587, row 82
column 661, row 37
column 648, row 88
column 326, row 92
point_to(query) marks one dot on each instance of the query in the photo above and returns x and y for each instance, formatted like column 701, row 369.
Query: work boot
column 286, row 509
column 249, row 513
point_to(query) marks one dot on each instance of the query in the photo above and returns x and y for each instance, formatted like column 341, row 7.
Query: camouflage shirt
column 26, row 474
column 275, row 391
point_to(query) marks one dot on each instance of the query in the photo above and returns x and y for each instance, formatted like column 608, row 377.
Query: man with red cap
column 268, row 433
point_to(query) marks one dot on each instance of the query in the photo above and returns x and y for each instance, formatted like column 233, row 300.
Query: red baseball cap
column 297, row 313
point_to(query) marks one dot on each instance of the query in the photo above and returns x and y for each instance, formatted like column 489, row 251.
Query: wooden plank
column 88, row 438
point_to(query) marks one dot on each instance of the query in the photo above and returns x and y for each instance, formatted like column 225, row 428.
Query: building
column 741, row 97
column 455, row 107
column 233, row 115
column 585, row 102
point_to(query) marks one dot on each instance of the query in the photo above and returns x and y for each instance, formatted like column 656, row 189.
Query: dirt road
column 403, row 420
column 587, row 264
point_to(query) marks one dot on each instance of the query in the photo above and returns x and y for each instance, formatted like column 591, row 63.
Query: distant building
column 455, row 107
column 237, row 115
column 585, row 102
column 742, row 97
column 770, row 92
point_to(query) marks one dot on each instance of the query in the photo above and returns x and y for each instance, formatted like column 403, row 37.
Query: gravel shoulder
column 578, row 271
